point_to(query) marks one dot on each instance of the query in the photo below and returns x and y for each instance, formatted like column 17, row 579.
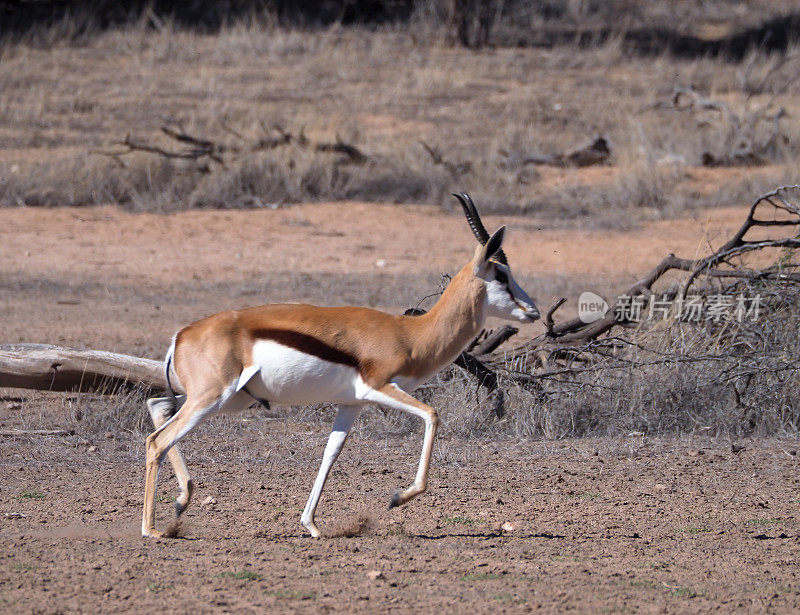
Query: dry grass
column 723, row 379
column 385, row 91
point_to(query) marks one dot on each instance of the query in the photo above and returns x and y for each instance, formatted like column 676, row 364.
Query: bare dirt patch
column 620, row 526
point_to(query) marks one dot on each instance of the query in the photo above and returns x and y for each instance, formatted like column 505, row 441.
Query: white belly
column 288, row 376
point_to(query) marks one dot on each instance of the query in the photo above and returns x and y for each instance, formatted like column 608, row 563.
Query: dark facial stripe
column 307, row 344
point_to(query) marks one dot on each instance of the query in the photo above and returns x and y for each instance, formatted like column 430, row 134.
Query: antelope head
column 505, row 299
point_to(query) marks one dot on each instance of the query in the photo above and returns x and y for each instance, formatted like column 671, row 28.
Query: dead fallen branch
column 688, row 98
column 55, row 368
column 772, row 222
column 18, row 433
column 456, row 169
column 492, row 340
column 203, row 149
column 597, row 151
column 354, row 154
column 749, row 136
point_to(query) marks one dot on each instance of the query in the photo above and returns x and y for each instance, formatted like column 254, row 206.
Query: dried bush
column 483, row 112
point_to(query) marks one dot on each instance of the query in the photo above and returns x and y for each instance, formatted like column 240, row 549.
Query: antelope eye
column 501, row 277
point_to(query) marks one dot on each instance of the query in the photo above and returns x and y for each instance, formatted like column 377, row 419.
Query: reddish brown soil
column 598, row 526
column 595, row 526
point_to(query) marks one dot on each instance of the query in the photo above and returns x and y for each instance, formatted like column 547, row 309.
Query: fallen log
column 200, row 149
column 55, row 368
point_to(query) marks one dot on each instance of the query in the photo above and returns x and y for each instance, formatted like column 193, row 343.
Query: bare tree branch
column 197, row 148
column 494, row 339
column 55, row 368
column 456, row 169
column 597, row 151
column 776, row 210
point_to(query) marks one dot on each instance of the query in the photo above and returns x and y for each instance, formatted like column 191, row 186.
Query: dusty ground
column 598, row 526
column 622, row 525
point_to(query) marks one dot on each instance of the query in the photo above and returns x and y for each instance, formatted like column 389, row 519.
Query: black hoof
column 179, row 509
column 395, row 501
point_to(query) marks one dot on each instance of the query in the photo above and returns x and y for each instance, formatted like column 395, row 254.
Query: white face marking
column 505, row 299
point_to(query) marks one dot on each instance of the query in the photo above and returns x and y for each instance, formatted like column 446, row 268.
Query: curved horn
column 472, row 217
column 480, row 232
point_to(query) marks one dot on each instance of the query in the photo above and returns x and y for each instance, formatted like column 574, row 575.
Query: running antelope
column 350, row 356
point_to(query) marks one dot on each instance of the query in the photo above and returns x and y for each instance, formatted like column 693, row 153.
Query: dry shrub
column 481, row 110
column 645, row 180
column 147, row 184
column 299, row 176
column 60, row 181
column 121, row 414
column 726, row 378
column 163, row 185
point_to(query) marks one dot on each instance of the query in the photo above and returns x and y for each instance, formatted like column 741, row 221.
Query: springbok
column 351, row 356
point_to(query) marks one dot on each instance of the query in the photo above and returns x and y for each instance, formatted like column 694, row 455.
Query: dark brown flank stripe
column 307, row 344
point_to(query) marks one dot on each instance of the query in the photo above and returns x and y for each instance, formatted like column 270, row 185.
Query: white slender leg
column 345, row 416
column 394, row 397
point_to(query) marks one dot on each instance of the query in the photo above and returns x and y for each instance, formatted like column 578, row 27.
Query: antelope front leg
column 394, row 397
column 345, row 416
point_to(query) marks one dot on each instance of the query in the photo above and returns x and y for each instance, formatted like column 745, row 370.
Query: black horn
column 480, row 232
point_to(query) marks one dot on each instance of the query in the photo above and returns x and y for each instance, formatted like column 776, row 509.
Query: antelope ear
column 488, row 250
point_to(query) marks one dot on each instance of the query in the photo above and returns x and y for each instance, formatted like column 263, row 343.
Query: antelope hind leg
column 161, row 410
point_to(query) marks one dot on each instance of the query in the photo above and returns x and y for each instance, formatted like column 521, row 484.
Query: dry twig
column 200, row 149
column 576, row 341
